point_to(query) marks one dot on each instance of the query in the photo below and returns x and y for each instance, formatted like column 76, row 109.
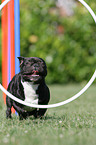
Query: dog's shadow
column 47, row 118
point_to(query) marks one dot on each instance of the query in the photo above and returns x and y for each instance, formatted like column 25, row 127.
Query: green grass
column 71, row 124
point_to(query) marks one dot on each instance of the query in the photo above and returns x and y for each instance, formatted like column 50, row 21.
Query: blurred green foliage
column 67, row 44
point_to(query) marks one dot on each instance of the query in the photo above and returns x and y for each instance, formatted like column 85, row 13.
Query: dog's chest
column 30, row 93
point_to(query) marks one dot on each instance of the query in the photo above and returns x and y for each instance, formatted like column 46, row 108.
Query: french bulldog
column 29, row 85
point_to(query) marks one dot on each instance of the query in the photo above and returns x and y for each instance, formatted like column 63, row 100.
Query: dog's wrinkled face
column 33, row 69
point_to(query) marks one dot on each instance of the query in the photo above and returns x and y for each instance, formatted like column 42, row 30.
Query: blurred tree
column 67, row 43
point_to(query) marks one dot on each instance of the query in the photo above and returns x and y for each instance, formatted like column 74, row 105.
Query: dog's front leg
column 8, row 112
column 9, row 105
column 21, row 111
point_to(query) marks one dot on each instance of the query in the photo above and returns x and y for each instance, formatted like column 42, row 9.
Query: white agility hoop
column 66, row 101
column 89, row 9
column 52, row 105
column 3, row 4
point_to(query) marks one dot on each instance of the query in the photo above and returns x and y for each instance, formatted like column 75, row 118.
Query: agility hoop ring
column 66, row 101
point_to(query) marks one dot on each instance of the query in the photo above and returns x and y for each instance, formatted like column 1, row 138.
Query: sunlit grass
column 74, row 123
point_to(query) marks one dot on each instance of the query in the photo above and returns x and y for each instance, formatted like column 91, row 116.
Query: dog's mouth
column 34, row 75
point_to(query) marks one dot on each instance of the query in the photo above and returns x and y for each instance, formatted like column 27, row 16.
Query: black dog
column 29, row 86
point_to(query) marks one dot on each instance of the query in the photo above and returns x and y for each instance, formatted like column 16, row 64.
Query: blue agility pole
column 17, row 34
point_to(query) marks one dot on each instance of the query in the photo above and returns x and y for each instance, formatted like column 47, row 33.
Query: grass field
column 71, row 124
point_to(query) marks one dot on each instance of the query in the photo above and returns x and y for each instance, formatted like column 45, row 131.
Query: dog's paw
column 23, row 116
column 8, row 115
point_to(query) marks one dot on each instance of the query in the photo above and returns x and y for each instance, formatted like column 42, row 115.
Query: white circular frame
column 66, row 101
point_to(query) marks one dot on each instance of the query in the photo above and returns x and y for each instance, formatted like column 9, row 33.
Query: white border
column 64, row 102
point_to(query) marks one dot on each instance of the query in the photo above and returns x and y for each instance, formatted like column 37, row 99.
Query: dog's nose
column 35, row 66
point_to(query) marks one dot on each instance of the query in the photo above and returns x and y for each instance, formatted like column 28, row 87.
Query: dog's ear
column 21, row 59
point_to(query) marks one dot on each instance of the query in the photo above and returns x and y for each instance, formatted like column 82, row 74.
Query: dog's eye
column 43, row 65
column 27, row 63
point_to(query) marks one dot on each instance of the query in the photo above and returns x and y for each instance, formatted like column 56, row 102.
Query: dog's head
column 33, row 69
